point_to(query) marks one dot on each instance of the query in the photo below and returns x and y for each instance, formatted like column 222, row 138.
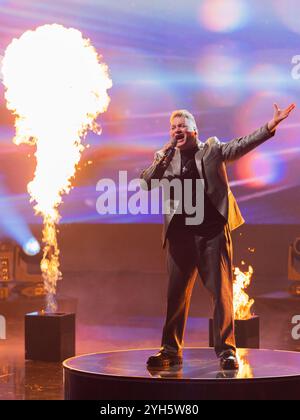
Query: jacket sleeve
column 240, row 146
column 155, row 171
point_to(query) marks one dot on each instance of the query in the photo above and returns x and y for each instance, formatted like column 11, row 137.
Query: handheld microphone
column 174, row 144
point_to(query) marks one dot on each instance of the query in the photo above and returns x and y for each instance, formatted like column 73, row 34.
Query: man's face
column 182, row 125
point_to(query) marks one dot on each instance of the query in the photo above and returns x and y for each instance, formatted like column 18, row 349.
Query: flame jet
column 56, row 86
column 241, row 301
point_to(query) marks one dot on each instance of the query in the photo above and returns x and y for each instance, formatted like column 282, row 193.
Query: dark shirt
column 213, row 220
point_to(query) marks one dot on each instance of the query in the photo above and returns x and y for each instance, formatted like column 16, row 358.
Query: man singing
column 206, row 247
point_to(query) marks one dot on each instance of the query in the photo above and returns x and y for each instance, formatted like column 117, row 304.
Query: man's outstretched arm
column 240, row 146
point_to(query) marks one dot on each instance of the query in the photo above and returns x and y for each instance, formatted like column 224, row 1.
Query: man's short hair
column 186, row 114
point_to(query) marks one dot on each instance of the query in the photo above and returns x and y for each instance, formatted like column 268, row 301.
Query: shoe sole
column 165, row 364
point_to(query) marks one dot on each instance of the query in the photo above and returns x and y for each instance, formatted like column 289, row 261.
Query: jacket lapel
column 199, row 157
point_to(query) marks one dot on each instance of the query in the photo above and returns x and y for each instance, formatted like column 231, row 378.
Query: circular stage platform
column 123, row 375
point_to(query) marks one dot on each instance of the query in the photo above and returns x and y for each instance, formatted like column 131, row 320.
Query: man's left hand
column 280, row 115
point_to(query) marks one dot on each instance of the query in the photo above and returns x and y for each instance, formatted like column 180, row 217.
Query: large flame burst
column 56, row 87
column 242, row 302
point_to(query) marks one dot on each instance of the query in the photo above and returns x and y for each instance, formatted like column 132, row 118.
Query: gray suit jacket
column 211, row 162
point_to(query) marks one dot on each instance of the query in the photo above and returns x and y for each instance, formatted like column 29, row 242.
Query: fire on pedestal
column 49, row 337
column 246, row 324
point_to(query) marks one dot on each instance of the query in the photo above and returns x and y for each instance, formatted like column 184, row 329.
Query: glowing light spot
column 223, row 16
column 218, row 70
column 31, row 247
column 220, row 74
column 287, row 13
column 264, row 75
column 262, row 168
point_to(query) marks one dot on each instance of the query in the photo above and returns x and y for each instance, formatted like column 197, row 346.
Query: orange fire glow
column 242, row 302
column 245, row 369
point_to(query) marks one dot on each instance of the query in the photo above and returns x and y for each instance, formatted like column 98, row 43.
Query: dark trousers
column 210, row 255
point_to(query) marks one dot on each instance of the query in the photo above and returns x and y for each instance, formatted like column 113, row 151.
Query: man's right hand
column 168, row 153
column 171, row 144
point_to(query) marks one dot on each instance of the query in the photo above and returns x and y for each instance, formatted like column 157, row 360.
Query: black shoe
column 164, row 360
column 229, row 361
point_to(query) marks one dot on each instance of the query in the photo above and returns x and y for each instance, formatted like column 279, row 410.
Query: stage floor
column 263, row 374
column 27, row 380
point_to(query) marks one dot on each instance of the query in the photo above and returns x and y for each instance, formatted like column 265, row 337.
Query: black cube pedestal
column 49, row 337
column 246, row 333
